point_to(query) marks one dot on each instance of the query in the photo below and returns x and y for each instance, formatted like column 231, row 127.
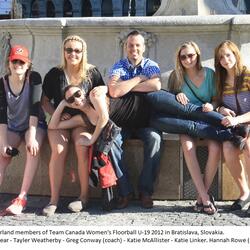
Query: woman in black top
column 74, row 71
column 21, row 119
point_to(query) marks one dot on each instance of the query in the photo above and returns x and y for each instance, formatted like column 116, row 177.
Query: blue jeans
column 151, row 161
column 170, row 116
column 171, row 124
column 165, row 103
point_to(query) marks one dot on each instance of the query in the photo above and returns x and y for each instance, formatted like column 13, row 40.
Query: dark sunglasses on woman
column 71, row 99
column 184, row 57
column 70, row 50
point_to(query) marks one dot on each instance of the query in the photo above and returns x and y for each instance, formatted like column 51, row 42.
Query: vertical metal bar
column 181, row 171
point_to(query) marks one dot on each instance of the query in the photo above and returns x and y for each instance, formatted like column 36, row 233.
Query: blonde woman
column 233, row 84
column 21, row 120
column 195, row 84
column 74, row 70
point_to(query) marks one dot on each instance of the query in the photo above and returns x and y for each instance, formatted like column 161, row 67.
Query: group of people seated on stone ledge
column 98, row 117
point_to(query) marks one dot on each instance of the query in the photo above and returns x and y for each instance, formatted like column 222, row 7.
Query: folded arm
column 139, row 83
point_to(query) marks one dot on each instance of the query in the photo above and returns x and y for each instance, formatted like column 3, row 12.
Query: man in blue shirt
column 130, row 75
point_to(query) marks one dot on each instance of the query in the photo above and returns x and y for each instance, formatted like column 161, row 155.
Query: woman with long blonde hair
column 195, row 84
column 74, row 70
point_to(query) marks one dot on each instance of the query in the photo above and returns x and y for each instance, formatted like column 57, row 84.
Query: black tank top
column 130, row 111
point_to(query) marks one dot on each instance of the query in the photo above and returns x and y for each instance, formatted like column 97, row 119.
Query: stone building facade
column 86, row 8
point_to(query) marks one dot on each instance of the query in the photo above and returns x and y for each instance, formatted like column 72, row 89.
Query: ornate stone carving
column 150, row 41
column 17, row 10
column 196, row 7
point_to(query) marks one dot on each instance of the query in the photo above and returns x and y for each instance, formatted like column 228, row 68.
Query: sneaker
column 77, row 206
column 17, row 206
column 49, row 210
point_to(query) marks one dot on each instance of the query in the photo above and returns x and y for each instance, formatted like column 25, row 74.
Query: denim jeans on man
column 151, row 160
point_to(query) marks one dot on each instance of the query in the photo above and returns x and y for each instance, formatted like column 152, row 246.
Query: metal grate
column 189, row 190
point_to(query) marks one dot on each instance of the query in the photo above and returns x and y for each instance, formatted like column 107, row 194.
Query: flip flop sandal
column 198, row 207
column 211, row 207
column 211, row 198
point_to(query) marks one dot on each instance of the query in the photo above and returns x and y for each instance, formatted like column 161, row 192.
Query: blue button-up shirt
column 125, row 70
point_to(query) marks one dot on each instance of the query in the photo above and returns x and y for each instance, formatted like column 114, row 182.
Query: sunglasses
column 71, row 99
column 18, row 62
column 184, row 57
column 70, row 50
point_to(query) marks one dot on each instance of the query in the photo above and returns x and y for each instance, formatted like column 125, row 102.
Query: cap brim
column 18, row 57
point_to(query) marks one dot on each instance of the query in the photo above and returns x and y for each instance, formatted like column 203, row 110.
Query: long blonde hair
column 220, row 72
column 84, row 66
column 176, row 78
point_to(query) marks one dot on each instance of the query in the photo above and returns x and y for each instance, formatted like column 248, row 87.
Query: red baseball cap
column 19, row 52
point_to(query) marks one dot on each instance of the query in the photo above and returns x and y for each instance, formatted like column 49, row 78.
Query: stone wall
column 104, row 37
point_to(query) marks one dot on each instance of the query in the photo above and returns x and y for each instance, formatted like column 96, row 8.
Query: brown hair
column 68, row 87
column 220, row 72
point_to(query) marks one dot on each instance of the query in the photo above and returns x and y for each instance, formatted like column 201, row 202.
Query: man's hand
column 118, row 88
column 142, row 78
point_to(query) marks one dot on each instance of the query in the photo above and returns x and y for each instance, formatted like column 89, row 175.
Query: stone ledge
column 167, row 187
column 169, row 184
column 109, row 22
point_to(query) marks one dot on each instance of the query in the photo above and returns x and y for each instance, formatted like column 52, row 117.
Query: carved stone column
column 4, row 51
